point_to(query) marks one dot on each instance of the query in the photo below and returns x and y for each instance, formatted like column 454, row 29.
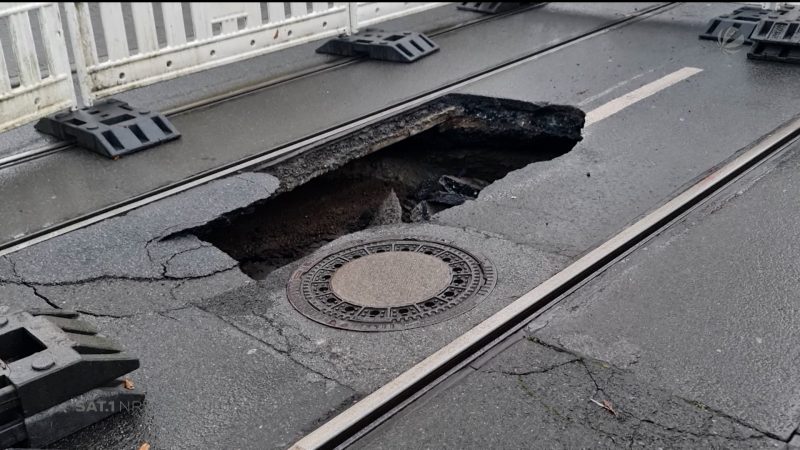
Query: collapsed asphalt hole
column 385, row 175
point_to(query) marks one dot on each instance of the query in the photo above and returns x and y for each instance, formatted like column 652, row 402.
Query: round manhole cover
column 388, row 285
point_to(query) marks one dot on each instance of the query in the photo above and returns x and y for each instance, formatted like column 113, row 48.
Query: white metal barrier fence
column 28, row 88
column 217, row 34
column 120, row 46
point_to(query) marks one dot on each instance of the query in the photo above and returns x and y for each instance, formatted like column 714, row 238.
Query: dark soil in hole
column 408, row 181
column 403, row 169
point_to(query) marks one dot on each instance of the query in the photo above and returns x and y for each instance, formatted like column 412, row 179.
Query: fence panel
column 370, row 13
column 220, row 33
column 33, row 84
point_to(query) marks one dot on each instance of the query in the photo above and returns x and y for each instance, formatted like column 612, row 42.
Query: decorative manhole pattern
column 390, row 284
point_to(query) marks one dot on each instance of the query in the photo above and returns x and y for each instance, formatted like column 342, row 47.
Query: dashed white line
column 613, row 88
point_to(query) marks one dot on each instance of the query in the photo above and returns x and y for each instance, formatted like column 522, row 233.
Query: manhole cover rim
column 294, row 288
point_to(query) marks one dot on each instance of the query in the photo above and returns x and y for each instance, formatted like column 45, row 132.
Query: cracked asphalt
column 691, row 339
column 227, row 361
column 143, row 248
column 538, row 395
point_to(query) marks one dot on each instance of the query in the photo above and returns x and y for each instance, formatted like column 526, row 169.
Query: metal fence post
column 81, row 39
column 352, row 18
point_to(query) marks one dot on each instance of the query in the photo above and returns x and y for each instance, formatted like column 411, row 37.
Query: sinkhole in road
column 402, row 170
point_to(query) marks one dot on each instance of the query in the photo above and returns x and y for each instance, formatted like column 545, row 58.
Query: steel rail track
column 376, row 408
column 285, row 151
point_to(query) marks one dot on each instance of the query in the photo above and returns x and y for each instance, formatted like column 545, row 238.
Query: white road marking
column 613, row 88
column 637, row 95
